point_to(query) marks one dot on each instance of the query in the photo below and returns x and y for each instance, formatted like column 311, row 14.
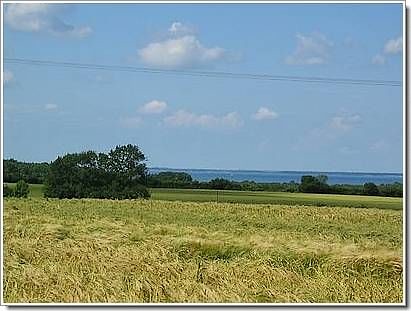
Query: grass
column 263, row 197
column 285, row 198
column 164, row 251
column 35, row 190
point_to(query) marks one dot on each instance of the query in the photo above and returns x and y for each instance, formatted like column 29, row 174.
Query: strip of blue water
column 286, row 176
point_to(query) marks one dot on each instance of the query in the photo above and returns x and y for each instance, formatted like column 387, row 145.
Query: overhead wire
column 198, row 73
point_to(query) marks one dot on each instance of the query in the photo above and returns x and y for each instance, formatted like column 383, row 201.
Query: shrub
column 371, row 189
column 313, row 184
column 7, row 191
column 22, row 189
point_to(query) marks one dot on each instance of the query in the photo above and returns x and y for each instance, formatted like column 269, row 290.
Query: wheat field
column 159, row 251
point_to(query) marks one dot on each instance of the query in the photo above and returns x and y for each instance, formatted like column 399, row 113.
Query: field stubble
column 159, row 251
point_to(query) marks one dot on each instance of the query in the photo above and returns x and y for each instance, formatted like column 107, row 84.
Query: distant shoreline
column 333, row 178
column 271, row 171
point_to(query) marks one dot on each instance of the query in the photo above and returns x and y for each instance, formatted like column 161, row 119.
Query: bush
column 223, row 184
column 22, row 189
column 371, row 189
column 7, row 191
column 311, row 184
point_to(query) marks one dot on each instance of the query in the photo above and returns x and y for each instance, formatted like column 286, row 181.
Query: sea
column 352, row 178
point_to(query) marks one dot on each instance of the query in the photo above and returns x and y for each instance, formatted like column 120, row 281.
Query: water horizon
column 269, row 176
column 270, row 171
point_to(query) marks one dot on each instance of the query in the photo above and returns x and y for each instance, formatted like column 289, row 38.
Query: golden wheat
column 158, row 251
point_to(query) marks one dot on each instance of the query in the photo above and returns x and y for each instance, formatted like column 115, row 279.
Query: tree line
column 308, row 184
column 122, row 174
column 32, row 173
column 119, row 174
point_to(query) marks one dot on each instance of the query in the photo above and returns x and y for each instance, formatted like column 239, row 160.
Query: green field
column 285, row 198
column 163, row 251
column 36, row 190
column 262, row 197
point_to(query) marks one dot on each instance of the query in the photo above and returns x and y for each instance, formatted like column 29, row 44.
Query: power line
column 196, row 73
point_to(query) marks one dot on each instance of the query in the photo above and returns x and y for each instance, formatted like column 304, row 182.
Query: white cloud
column 186, row 51
column 393, row 46
column 8, row 77
column 331, row 131
column 183, row 118
column 378, row 59
column 264, row 113
column 311, row 49
column 179, row 29
column 181, row 50
column 344, row 122
column 231, row 119
column 80, row 32
column 42, row 17
column 50, row 106
column 131, row 122
column 153, row 107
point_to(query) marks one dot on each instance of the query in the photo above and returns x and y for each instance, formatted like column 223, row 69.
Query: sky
column 203, row 122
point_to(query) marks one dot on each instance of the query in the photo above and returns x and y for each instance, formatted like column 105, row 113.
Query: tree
column 170, row 180
column 127, row 161
column 221, row 184
column 120, row 174
column 22, row 189
column 322, row 179
column 311, row 184
column 63, row 178
column 34, row 173
column 11, row 170
column 371, row 189
column 391, row 190
column 7, row 191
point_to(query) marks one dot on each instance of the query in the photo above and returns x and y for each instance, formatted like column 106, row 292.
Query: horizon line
column 244, row 170
column 276, row 171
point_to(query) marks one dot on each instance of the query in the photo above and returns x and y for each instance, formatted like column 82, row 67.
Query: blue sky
column 198, row 122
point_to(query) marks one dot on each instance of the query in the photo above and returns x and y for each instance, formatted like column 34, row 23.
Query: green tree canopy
column 371, row 189
column 120, row 174
column 21, row 190
column 311, row 184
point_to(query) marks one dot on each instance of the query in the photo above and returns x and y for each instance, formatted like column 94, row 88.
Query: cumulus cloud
column 332, row 130
column 50, row 106
column 186, row 51
column 345, row 122
column 311, row 49
column 8, row 77
column 179, row 29
column 340, row 125
column 264, row 113
column 184, row 118
column 42, row 17
column 153, row 107
column 181, row 49
column 393, row 46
